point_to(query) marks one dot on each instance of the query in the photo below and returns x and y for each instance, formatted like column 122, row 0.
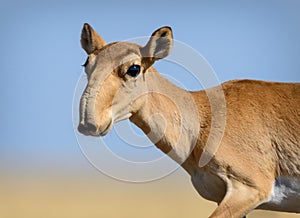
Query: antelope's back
column 268, row 112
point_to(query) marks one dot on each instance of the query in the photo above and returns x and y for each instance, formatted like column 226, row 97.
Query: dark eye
column 133, row 71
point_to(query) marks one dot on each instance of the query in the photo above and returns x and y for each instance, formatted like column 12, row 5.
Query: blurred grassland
column 95, row 196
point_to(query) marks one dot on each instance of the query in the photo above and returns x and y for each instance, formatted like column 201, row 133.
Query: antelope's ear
column 90, row 40
column 159, row 45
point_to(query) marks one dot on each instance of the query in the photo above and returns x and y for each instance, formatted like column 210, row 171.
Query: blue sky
column 41, row 60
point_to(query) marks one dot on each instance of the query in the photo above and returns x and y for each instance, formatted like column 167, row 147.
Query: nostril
column 91, row 127
column 81, row 128
column 87, row 128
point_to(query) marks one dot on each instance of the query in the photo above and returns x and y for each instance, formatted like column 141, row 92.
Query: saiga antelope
column 257, row 163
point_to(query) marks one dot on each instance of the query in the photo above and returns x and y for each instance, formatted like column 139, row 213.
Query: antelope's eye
column 134, row 70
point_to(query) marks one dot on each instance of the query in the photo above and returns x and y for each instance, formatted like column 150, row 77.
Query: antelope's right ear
column 90, row 40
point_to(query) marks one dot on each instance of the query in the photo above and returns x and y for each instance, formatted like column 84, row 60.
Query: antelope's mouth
column 92, row 129
column 105, row 130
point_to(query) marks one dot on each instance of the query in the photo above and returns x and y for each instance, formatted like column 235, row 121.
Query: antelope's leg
column 239, row 200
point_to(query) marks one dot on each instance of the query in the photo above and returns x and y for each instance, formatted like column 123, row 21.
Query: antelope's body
column 257, row 160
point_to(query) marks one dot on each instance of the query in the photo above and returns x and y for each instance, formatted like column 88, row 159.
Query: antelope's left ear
column 159, row 45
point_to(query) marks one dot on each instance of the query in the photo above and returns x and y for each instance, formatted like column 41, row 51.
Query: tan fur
column 261, row 141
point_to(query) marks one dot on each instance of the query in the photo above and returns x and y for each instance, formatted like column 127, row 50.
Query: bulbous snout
column 95, row 117
column 87, row 124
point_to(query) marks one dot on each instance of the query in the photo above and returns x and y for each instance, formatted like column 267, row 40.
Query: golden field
column 93, row 195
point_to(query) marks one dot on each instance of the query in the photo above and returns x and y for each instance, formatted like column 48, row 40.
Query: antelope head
column 115, row 74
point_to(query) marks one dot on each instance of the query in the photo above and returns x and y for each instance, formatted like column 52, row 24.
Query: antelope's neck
column 169, row 116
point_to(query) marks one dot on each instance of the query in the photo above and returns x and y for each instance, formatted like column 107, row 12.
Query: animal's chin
column 105, row 130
